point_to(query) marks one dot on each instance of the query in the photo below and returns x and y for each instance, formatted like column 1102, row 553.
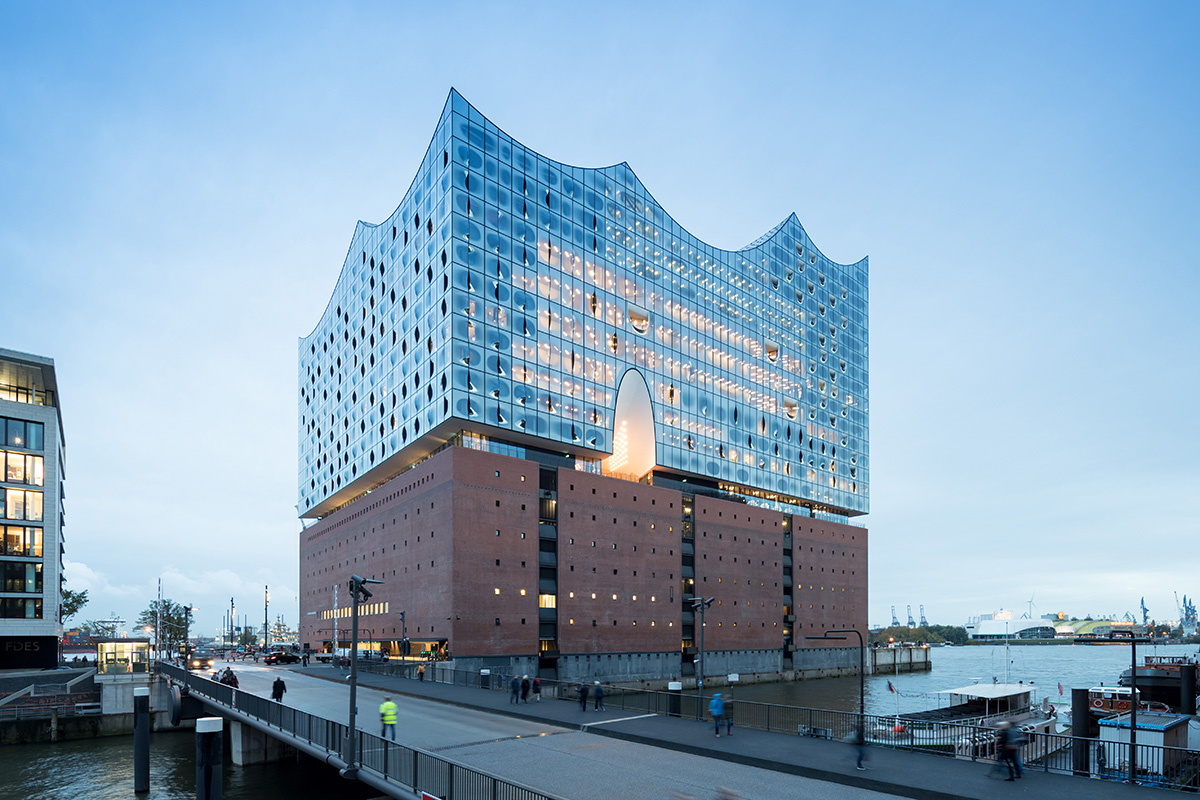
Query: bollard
column 1187, row 689
column 674, row 698
column 1081, row 725
column 209, row 753
column 141, row 739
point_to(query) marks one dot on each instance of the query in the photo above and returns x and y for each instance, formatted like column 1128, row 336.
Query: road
column 572, row 764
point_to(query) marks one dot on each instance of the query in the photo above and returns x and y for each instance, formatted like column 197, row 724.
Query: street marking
column 610, row 721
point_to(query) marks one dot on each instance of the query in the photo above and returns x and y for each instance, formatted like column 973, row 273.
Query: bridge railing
column 410, row 768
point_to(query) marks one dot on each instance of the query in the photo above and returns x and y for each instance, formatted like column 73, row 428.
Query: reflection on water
column 1045, row 666
column 102, row 769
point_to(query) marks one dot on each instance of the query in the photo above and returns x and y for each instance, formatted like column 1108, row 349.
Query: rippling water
column 102, row 769
column 1046, row 666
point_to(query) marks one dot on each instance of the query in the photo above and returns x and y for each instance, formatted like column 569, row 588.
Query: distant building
column 548, row 418
column 31, row 513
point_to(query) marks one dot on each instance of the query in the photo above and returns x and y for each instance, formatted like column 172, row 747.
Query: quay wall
column 655, row 670
column 894, row 660
column 56, row 728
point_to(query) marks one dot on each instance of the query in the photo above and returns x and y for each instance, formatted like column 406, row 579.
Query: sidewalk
column 896, row 772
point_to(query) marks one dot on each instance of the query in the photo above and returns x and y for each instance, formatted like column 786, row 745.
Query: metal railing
column 1164, row 767
column 410, row 768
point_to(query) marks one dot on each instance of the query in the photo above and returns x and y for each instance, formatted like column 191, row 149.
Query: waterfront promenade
column 779, row 764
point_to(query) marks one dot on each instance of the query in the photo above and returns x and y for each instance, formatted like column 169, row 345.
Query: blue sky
column 178, row 187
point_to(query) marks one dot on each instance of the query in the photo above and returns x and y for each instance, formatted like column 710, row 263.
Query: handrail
column 382, row 763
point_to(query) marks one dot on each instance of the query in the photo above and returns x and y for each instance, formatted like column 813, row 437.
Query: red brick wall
column 739, row 561
column 430, row 535
column 830, row 572
column 617, row 538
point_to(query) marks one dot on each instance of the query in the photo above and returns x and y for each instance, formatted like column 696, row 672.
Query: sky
column 179, row 185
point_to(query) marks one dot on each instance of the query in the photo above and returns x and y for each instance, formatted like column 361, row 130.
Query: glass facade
column 508, row 295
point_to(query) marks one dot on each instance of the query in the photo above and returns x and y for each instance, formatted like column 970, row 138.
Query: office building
column 31, row 511
column 548, row 418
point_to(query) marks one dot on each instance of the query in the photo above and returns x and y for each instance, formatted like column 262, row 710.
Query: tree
column 248, row 637
column 95, row 627
column 72, row 603
column 173, row 623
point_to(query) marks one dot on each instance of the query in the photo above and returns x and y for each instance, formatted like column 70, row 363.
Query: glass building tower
column 513, row 303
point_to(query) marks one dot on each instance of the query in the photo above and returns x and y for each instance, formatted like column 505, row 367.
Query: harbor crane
column 1187, row 615
column 924, row 622
column 911, row 624
column 895, row 622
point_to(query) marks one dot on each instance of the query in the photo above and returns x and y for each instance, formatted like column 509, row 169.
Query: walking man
column 387, row 715
column 514, row 689
column 716, row 707
column 583, row 695
column 277, row 689
column 525, row 689
column 421, row 672
column 598, row 693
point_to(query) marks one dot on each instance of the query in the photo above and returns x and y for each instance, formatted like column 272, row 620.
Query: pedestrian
column 859, row 737
column 1016, row 740
column 728, row 715
column 514, row 689
column 387, row 716
column 537, row 689
column 1006, row 749
column 525, row 689
column 304, row 660
column 598, row 693
column 583, row 694
column 716, row 707
column 421, row 672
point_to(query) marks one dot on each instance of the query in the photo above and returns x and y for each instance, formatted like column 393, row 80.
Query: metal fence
column 408, row 767
column 1164, row 767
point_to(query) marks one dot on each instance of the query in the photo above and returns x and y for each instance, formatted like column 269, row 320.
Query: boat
column 1104, row 701
column 965, row 725
column 1159, row 678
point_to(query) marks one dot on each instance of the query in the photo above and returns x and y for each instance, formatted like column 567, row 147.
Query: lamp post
column 266, row 630
column 700, row 604
column 862, row 668
column 358, row 593
column 1133, row 704
column 187, row 632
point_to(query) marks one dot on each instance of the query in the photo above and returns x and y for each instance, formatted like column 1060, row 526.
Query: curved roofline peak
column 763, row 239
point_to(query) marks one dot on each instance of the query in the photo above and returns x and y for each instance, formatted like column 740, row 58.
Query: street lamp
column 358, row 593
column 187, row 630
column 862, row 668
column 266, row 631
column 700, row 604
column 1133, row 704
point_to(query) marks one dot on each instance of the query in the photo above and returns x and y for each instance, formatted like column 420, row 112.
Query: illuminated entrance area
column 633, row 430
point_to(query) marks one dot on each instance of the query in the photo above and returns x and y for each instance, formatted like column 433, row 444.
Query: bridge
column 259, row 727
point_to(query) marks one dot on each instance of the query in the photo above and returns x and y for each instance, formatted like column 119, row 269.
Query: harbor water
column 102, row 769
column 1045, row 666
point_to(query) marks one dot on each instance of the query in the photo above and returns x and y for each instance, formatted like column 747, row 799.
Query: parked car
column 281, row 657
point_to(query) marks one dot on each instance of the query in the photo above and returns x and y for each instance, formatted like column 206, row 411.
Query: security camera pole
column 358, row 593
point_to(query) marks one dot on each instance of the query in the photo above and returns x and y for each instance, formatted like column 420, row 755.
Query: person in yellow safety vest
column 387, row 715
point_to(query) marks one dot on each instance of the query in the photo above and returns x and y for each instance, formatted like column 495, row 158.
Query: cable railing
column 1157, row 765
column 408, row 767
